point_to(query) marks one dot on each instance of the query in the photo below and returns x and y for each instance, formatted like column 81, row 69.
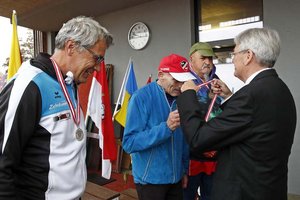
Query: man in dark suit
column 255, row 131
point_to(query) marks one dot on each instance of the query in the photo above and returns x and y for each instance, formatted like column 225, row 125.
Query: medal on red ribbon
column 74, row 112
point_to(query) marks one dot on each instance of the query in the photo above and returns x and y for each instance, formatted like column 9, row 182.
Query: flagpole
column 122, row 88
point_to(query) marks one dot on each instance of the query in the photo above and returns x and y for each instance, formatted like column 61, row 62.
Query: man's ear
column 70, row 47
column 191, row 59
column 248, row 57
column 160, row 74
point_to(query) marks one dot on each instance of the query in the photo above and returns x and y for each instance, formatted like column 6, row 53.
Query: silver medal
column 79, row 134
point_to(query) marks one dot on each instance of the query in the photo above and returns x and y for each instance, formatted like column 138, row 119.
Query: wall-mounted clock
column 138, row 35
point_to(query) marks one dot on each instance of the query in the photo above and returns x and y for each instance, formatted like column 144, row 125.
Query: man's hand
column 189, row 85
column 184, row 181
column 220, row 88
column 173, row 120
column 210, row 154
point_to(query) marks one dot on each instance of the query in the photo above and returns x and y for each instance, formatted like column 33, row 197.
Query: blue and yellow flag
column 15, row 59
column 129, row 85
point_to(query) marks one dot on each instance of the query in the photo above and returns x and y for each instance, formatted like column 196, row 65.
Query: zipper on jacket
column 173, row 107
column 173, row 158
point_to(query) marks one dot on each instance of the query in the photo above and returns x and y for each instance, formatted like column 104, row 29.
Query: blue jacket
column 159, row 156
column 203, row 93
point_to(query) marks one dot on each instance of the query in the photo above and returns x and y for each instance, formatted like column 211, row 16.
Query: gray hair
column 264, row 42
column 84, row 31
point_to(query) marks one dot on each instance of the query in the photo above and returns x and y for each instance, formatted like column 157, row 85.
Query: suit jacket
column 253, row 135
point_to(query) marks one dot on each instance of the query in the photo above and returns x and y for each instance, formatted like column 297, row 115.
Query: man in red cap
column 153, row 135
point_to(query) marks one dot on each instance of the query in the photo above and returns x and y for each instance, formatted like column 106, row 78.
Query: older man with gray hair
column 255, row 131
column 42, row 131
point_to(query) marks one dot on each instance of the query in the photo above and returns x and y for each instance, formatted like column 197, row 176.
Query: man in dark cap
column 202, row 165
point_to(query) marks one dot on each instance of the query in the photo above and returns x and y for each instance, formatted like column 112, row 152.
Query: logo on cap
column 184, row 65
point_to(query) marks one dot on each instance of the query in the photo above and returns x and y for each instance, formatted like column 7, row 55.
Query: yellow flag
column 15, row 55
column 128, row 87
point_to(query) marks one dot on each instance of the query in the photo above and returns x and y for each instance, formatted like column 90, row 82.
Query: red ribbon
column 76, row 116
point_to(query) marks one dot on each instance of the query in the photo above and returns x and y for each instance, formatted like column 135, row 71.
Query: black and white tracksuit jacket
column 40, row 157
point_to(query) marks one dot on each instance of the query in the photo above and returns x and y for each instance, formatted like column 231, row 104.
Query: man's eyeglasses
column 232, row 54
column 98, row 58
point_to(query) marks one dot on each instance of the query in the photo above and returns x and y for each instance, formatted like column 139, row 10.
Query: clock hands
column 138, row 35
column 134, row 35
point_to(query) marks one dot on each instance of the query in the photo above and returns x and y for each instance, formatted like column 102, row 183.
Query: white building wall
column 171, row 32
column 284, row 15
column 170, row 28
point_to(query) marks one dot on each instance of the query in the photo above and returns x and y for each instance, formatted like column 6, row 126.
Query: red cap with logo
column 177, row 66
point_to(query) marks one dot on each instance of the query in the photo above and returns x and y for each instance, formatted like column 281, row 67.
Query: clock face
column 138, row 35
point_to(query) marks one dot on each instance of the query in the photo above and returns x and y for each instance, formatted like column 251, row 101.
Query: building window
column 224, row 19
column 218, row 22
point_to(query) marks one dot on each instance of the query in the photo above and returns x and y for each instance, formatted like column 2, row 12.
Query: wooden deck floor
column 97, row 192
column 122, row 188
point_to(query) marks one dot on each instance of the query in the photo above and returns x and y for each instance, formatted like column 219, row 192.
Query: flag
column 100, row 112
column 15, row 58
column 149, row 79
column 129, row 85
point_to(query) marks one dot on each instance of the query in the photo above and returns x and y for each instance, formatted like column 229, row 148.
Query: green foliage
column 26, row 48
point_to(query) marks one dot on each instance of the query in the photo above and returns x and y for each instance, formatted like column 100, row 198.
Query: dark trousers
column 160, row 191
column 201, row 180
